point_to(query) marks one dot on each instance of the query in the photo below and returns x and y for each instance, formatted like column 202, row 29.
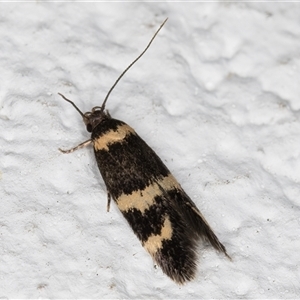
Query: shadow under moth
column 160, row 213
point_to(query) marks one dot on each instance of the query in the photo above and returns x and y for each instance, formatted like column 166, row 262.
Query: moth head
column 95, row 117
column 91, row 118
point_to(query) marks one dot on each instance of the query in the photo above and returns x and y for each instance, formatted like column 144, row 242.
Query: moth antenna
column 104, row 102
column 82, row 114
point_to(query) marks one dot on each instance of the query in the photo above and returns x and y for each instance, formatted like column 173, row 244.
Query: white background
column 216, row 96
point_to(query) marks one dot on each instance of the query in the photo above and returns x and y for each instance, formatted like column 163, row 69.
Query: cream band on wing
column 112, row 136
column 143, row 199
column 154, row 242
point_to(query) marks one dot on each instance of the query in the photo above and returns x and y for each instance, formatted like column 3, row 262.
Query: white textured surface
column 216, row 96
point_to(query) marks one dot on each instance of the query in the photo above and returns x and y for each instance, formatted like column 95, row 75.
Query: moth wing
column 160, row 213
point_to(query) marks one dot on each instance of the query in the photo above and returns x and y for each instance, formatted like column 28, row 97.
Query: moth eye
column 89, row 128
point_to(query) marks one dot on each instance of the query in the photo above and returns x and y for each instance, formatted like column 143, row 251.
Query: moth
column 160, row 213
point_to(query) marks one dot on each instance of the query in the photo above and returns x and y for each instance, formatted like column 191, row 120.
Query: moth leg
column 84, row 144
column 108, row 201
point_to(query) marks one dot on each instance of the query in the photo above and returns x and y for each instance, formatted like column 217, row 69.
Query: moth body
column 160, row 213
